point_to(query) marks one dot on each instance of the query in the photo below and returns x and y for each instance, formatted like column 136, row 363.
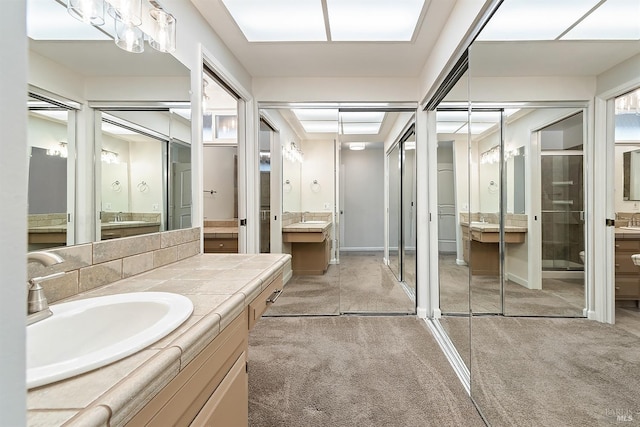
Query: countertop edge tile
column 132, row 393
column 98, row 415
column 197, row 338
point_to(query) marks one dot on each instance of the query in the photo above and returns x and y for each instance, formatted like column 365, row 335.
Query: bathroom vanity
column 627, row 274
column 310, row 246
column 481, row 240
column 220, row 237
column 197, row 375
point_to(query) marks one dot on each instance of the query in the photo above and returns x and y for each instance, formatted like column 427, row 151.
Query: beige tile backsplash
column 92, row 265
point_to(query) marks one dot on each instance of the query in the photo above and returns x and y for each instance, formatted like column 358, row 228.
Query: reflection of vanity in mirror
column 307, row 229
column 631, row 175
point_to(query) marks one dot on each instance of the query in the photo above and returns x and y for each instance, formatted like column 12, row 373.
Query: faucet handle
column 36, row 300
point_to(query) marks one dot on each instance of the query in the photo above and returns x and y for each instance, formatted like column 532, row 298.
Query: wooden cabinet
column 213, row 389
column 627, row 273
column 221, row 245
column 259, row 305
column 118, row 232
column 310, row 251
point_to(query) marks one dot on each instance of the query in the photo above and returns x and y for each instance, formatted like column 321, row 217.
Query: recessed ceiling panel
column 362, row 116
column 373, row 20
column 534, row 20
column 476, row 128
column 279, row 20
column 309, row 114
column 320, row 126
column 449, row 127
column 361, row 128
column 613, row 20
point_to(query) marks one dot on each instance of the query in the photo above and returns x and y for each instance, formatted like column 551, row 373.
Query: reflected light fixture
column 87, row 11
column 129, row 37
column 59, row 152
column 107, row 156
column 163, row 33
column 129, row 11
column 357, row 146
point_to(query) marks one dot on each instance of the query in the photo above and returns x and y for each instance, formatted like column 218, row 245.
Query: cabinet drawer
column 221, row 246
column 259, row 305
column 627, row 245
column 228, row 405
column 627, row 287
column 624, row 263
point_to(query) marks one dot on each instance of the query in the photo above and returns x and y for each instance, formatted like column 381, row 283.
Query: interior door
column 181, row 173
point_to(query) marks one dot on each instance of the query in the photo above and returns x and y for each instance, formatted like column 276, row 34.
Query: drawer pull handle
column 617, row 288
column 617, row 265
column 274, row 296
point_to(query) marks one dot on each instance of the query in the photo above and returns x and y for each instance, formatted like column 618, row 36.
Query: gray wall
column 47, row 183
column 363, row 208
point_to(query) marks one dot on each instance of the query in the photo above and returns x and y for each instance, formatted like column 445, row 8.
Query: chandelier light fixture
column 134, row 21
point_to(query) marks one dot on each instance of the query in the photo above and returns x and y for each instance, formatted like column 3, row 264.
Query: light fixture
column 62, row 151
column 357, row 146
column 129, row 37
column 128, row 11
column 292, row 153
column 87, row 11
column 107, row 156
column 163, row 32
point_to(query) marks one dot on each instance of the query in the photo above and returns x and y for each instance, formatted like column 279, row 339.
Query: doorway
column 333, row 176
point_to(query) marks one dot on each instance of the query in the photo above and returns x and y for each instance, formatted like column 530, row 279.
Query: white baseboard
column 361, row 249
column 519, row 280
column 421, row 312
column 563, row 274
column 460, row 262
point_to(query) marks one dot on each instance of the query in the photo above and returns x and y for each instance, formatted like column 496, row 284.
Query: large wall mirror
column 124, row 172
column 528, row 260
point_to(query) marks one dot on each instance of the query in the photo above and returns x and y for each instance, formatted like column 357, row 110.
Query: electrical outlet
column 156, row 207
column 107, row 206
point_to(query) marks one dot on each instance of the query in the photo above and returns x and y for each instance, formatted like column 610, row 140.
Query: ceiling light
column 613, row 20
column 316, row 113
column 87, row 11
column 357, row 146
column 532, row 20
column 361, row 128
column 320, row 126
column 362, row 116
column 449, row 127
column 373, row 20
column 278, row 20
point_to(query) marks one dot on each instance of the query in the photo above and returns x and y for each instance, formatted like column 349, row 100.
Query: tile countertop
column 493, row 228
column 623, row 232
column 105, row 226
column 305, row 227
column 219, row 232
column 220, row 287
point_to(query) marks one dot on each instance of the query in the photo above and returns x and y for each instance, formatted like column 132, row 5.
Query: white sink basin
column 88, row 334
column 314, row 222
column 127, row 222
column 482, row 224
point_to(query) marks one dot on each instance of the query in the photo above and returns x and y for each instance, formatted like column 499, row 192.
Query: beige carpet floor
column 352, row 371
column 554, row 372
column 556, row 298
column 361, row 283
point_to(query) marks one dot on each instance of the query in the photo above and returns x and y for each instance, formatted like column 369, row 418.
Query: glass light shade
column 129, row 37
column 128, row 11
column 88, row 11
column 163, row 33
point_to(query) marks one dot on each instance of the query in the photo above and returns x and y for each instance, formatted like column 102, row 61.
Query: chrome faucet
column 634, row 221
column 304, row 216
column 119, row 217
column 37, row 306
